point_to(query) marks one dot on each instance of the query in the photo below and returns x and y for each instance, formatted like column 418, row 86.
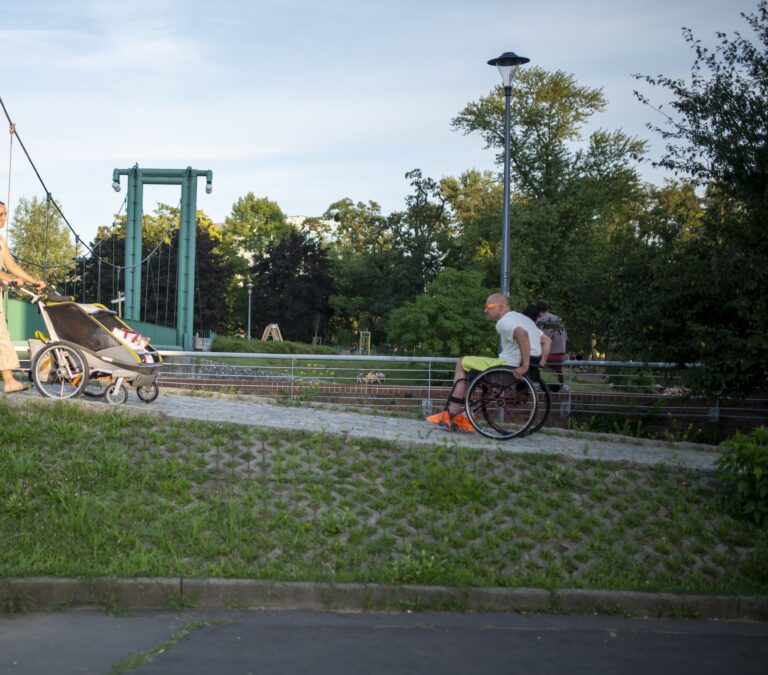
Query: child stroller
column 89, row 350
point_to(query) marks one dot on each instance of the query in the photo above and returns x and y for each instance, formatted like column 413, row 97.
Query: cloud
column 106, row 38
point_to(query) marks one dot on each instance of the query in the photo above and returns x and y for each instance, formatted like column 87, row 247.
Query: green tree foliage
column 360, row 227
column 41, row 241
column 253, row 225
column 292, row 287
column 381, row 262
column 718, row 136
column 570, row 194
column 447, row 319
column 475, row 199
column 361, row 266
column 422, row 236
column 649, row 276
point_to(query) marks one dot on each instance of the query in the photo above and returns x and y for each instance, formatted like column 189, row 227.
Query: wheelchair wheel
column 59, row 371
column 499, row 405
column 543, row 404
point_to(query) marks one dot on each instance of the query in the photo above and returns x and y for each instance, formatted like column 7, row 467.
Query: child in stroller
column 90, row 350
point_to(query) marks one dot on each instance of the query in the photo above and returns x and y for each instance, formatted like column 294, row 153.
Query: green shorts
column 480, row 362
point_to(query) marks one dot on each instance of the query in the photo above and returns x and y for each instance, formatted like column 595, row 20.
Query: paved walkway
column 560, row 442
column 576, row 445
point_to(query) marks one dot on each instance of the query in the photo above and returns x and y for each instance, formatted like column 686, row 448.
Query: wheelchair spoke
column 499, row 405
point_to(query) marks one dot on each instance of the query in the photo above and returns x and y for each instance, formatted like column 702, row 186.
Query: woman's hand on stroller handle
column 18, row 282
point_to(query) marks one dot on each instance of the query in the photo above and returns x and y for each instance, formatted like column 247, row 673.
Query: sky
column 304, row 102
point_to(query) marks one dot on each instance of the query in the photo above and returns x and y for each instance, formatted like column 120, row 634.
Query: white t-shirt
column 510, row 350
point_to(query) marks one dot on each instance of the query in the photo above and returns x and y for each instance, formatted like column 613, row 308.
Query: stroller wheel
column 148, row 393
column 60, row 371
column 116, row 394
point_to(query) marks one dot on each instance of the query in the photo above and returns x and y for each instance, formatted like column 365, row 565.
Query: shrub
column 743, row 469
column 225, row 343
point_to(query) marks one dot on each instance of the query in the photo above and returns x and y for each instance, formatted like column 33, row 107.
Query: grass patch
column 92, row 493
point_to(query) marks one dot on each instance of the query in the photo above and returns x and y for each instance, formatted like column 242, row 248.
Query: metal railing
column 599, row 395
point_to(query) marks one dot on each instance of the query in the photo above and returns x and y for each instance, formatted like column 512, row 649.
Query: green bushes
column 743, row 469
column 242, row 345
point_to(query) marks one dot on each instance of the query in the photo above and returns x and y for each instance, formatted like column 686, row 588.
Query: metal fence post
column 426, row 406
column 565, row 407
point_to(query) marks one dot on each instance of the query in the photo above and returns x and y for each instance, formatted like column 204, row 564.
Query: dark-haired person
column 554, row 328
column 10, row 275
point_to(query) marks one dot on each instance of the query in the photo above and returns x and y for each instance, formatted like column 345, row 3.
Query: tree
column 292, row 287
column 360, row 227
column 446, row 319
column 381, row 262
column 253, row 225
column 422, row 236
column 650, row 288
column 476, row 200
column 41, row 241
column 718, row 136
column 571, row 194
column 363, row 259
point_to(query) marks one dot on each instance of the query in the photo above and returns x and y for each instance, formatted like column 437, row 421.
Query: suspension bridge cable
column 14, row 132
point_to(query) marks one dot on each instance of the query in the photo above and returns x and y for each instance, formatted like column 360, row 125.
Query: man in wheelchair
column 522, row 344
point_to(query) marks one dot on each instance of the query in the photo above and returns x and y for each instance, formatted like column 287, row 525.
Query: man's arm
column 521, row 337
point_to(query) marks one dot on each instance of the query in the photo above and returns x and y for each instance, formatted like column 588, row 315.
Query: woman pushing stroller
column 11, row 274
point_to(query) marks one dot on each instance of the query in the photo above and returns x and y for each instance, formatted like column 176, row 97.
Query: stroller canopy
column 85, row 325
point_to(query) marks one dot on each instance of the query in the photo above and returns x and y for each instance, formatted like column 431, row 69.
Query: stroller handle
column 49, row 295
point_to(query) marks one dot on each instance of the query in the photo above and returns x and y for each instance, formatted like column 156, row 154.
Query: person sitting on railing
column 522, row 344
column 11, row 274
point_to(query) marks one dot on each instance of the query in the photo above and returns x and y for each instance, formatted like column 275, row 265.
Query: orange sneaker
column 462, row 422
column 442, row 419
column 456, row 422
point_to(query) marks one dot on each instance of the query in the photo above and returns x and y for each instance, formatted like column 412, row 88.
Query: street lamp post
column 249, row 286
column 507, row 63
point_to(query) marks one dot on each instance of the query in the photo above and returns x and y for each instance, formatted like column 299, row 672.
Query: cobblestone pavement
column 257, row 413
column 560, row 442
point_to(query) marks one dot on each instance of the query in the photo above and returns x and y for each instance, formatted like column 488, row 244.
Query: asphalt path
column 87, row 641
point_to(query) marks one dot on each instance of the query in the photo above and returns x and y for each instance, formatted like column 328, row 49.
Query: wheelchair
column 501, row 406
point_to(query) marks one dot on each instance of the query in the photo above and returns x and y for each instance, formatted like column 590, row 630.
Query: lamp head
column 508, row 63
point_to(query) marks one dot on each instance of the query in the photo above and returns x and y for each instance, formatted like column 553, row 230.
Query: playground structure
column 365, row 342
column 272, row 331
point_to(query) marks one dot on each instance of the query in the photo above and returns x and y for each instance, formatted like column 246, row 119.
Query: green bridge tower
column 185, row 280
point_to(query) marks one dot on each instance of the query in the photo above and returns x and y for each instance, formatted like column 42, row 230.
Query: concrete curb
column 27, row 594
